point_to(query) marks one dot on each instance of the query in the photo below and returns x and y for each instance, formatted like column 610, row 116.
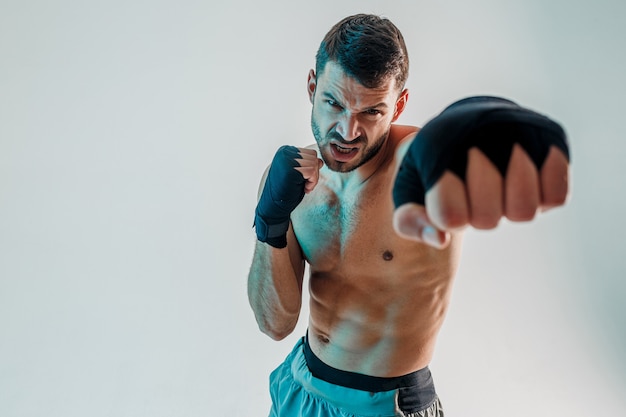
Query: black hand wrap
column 283, row 191
column 492, row 124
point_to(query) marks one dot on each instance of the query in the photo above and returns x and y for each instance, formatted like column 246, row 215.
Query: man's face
column 349, row 121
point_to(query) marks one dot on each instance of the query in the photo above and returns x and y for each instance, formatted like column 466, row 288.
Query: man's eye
column 333, row 103
column 373, row 112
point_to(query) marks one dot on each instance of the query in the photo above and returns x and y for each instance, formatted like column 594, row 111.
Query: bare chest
column 350, row 230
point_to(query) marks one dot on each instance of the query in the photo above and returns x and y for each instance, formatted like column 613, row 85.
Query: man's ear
column 311, row 84
column 400, row 104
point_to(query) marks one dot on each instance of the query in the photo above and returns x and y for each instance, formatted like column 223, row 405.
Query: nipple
column 387, row 255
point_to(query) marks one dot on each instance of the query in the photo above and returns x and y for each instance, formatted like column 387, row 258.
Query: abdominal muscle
column 381, row 321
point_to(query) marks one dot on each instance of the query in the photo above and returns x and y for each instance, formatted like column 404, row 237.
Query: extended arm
column 481, row 159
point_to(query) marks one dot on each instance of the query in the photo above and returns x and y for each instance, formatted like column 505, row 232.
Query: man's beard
column 368, row 152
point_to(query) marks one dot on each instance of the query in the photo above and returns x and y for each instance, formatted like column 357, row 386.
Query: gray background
column 132, row 138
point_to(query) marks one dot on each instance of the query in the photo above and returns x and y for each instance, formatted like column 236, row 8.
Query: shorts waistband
column 421, row 379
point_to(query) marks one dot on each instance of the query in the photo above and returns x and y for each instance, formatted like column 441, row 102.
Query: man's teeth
column 343, row 150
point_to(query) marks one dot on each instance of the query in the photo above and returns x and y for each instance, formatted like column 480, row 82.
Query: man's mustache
column 338, row 138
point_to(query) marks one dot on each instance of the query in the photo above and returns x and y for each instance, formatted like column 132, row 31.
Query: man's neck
column 365, row 172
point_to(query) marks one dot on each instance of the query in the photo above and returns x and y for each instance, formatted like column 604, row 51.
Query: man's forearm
column 275, row 290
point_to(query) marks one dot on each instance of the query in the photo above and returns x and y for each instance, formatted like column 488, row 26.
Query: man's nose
column 348, row 128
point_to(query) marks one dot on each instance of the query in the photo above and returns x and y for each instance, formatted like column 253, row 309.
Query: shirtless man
column 380, row 275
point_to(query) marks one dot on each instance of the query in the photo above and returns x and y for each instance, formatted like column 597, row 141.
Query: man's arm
column 275, row 287
column 277, row 271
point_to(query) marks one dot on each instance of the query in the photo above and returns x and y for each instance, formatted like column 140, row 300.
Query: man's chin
column 343, row 169
column 337, row 166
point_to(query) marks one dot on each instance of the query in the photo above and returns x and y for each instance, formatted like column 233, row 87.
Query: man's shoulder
column 313, row 146
column 401, row 132
column 402, row 136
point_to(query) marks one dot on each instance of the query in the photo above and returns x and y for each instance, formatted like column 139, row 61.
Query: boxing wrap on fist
column 283, row 191
column 492, row 124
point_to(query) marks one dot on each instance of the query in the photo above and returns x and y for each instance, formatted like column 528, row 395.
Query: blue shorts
column 304, row 386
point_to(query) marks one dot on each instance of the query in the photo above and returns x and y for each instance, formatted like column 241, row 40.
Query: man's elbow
column 277, row 333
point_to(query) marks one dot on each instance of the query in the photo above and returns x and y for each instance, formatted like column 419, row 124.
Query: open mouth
column 344, row 150
column 343, row 153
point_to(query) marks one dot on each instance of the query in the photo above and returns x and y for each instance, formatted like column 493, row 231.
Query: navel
column 387, row 255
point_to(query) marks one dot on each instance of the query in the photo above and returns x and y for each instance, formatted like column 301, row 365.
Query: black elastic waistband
column 419, row 380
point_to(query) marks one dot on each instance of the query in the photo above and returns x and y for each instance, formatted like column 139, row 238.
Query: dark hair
column 367, row 47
